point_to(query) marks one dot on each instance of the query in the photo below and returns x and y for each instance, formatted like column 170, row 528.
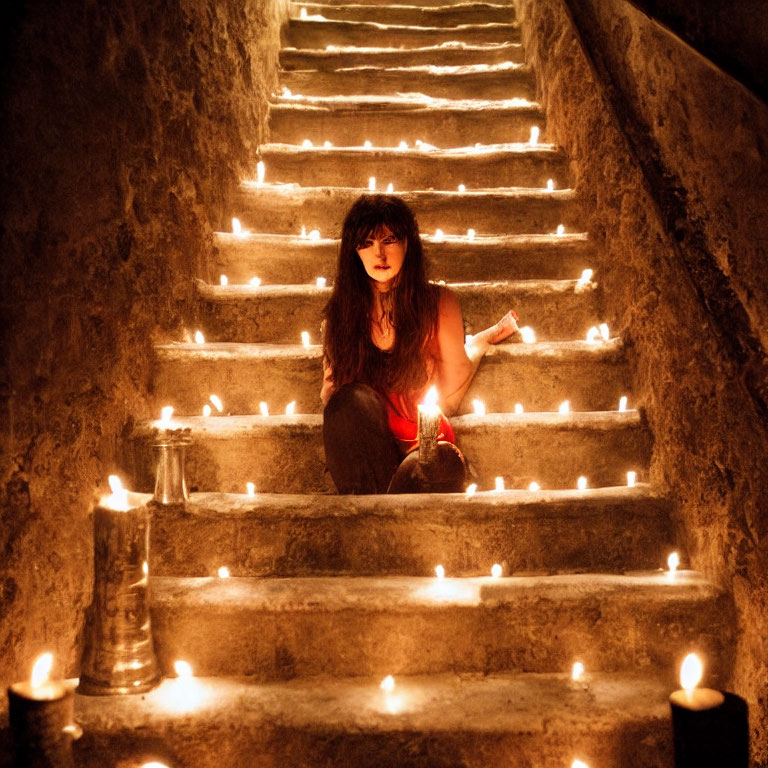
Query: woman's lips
column 382, row 266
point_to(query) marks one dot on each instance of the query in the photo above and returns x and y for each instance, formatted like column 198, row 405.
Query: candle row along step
column 474, row 721
column 290, row 259
column 284, row 454
column 500, row 81
column 351, row 121
column 592, row 377
column 283, row 535
column 275, row 629
column 556, row 310
column 286, row 208
column 504, row 165
column 314, row 33
column 434, row 14
column 382, row 55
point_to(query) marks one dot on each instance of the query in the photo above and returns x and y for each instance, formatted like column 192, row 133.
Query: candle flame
column 314, row 234
column 673, row 561
column 581, row 483
column 593, row 334
column 528, row 334
column 560, row 229
column 321, row 282
column 402, row 145
column 154, row 764
column 470, row 235
column 165, row 415
column 263, row 408
column 260, row 171
column 431, row 398
column 145, row 568
column 586, row 277
column 223, row 572
column 303, row 234
column 306, row 143
column 439, row 236
column 250, row 489
column 479, row 407
column 287, row 93
column 604, row 332
column 388, row 684
column 496, row 571
column 550, row 185
column 216, row 400
column 237, row 227
column 255, row 282
column 439, row 571
column 519, row 408
column 631, row 479
column 372, row 184
column 118, row 500
column 534, row 139
column 623, row 403
column 471, row 489
column 690, row 672
column 199, row 338
column 305, row 338
column 462, row 188
column 41, row 670
column 499, row 483
column 182, row 668
column 303, row 13
column 390, row 188
column 367, row 144
column 579, row 764
column 534, row 486
column 206, row 410
column 290, row 409
column 578, row 671
column 565, row 407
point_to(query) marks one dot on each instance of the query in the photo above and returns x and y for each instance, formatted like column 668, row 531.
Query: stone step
column 287, row 259
column 610, row 529
column 446, row 54
column 286, row 208
column 440, row 721
column 351, row 121
column 473, row 81
column 346, row 626
column 507, row 165
column 557, row 310
column 284, row 454
column 539, row 376
column 410, row 14
column 313, row 33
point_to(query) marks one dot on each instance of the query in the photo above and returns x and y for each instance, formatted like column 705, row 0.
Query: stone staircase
column 329, row 594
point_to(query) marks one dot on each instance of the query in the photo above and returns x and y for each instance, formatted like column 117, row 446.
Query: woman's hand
column 505, row 328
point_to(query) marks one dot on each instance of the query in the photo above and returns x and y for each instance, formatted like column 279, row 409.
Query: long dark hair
column 348, row 315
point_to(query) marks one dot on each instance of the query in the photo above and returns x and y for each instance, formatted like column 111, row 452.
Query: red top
column 402, row 417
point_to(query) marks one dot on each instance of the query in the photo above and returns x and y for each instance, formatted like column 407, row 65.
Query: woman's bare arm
column 455, row 369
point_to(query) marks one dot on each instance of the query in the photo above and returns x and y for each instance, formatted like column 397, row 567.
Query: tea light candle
column 41, row 714
column 429, row 426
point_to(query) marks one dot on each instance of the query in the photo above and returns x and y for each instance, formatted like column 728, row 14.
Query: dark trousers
column 360, row 451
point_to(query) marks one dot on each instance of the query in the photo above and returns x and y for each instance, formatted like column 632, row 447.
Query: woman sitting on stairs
column 389, row 335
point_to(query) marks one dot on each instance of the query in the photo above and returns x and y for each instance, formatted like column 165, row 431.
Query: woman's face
column 382, row 255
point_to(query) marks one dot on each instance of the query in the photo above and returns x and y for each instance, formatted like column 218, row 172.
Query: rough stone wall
column 670, row 161
column 125, row 126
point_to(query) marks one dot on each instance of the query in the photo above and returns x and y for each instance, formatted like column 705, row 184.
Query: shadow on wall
column 671, row 168
column 126, row 125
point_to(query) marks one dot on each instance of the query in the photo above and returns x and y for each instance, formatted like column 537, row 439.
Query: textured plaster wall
column 125, row 126
column 671, row 165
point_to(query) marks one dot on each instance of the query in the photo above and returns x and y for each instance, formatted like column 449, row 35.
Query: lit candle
column 496, row 571
column 305, row 338
column 631, row 479
column 263, row 408
column 528, row 334
column 260, row 171
column 306, row 143
column 224, row 280
column 314, row 234
column 604, row 331
column 372, row 184
column 673, row 563
column 216, row 400
column 479, row 407
column 327, row 144
column 439, row 236
column 223, row 572
column 519, row 408
column 255, row 282
column 166, row 412
column 199, row 338
column 387, row 684
column 402, row 145
column 471, row 489
column 462, row 188
column 287, row 93
column 623, row 403
column 390, row 188
column 429, row 416
column 534, row 486
column 550, row 185
column 367, row 144
column 182, row 668
column 303, row 13
column 593, row 334
column 586, row 277
column 499, row 483
column 579, row 679
column 565, row 407
column 206, row 410
column 439, row 571
column 41, row 714
column 290, row 409
column 470, row 235
column 170, row 448
column 118, row 655
column 321, row 282
column 581, row 483
column 250, row 489
column 560, row 229
column 237, row 228
column 303, row 234
column 579, row 764
column 534, row 138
